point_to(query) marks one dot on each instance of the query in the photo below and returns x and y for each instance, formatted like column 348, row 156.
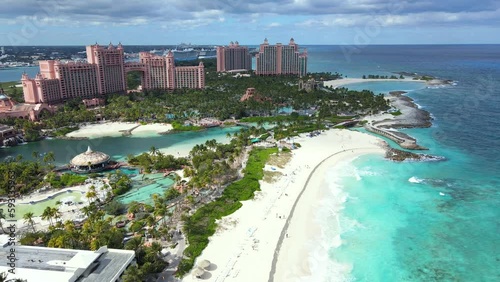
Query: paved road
column 168, row 274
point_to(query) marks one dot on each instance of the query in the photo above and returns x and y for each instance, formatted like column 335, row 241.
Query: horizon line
column 302, row 44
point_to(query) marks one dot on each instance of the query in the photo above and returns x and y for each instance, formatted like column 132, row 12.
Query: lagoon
column 119, row 147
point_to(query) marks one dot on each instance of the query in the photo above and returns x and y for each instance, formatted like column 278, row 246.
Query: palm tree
column 156, row 248
column 87, row 210
column 161, row 212
column 49, row 157
column 56, row 213
column 150, row 221
column 91, row 194
column 132, row 274
column 153, row 151
column 28, row 218
column 48, row 214
column 134, row 207
column 35, row 155
column 134, row 244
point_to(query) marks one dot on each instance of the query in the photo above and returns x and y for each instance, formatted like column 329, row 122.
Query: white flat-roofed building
column 53, row 264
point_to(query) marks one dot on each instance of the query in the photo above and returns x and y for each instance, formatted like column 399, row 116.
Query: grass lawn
column 15, row 93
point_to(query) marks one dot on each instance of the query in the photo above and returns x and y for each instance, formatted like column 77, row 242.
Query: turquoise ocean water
column 420, row 221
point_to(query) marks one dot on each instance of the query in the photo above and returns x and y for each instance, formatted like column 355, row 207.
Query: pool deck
column 68, row 212
column 41, row 196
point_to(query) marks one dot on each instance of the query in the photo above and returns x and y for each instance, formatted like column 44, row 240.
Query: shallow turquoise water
column 119, row 147
column 38, row 207
column 144, row 188
column 417, row 221
column 424, row 221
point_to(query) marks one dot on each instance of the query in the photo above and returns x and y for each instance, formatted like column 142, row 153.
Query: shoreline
column 345, row 81
column 116, row 129
column 247, row 239
column 294, row 246
column 411, row 116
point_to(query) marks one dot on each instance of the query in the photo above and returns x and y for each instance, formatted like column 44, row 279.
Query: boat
column 187, row 54
column 184, row 52
column 207, row 54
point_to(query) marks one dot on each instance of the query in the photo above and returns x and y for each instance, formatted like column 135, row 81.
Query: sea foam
column 328, row 216
column 415, row 179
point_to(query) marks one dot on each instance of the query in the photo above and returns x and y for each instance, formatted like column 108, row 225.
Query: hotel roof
column 55, row 264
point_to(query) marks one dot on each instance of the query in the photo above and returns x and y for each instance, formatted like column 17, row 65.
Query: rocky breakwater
column 408, row 115
column 400, row 155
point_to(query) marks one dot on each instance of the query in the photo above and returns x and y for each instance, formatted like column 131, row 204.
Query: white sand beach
column 114, row 129
column 243, row 248
column 345, row 81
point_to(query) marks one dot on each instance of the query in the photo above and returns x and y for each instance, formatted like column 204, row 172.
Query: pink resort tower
column 281, row 59
column 104, row 73
column 233, row 58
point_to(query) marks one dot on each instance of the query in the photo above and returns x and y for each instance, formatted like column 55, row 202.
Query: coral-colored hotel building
column 233, row 58
column 276, row 59
column 280, row 59
column 104, row 73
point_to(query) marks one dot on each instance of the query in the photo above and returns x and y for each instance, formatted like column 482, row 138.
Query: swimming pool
column 143, row 188
column 38, row 207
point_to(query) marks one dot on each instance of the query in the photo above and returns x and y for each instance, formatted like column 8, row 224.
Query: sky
column 217, row 22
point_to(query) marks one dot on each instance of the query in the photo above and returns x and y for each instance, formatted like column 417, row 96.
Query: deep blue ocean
column 421, row 221
column 14, row 74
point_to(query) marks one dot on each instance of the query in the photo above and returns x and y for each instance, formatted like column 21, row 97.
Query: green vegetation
column 376, row 76
column 397, row 113
column 426, row 77
column 324, row 76
column 64, row 180
column 156, row 160
column 201, row 224
column 171, row 194
column 120, row 183
column 64, row 130
column 115, row 208
column 29, row 175
column 337, row 119
column 275, row 119
column 133, row 80
column 177, row 126
column 16, row 93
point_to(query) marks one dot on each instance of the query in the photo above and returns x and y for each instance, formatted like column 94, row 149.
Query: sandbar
column 115, row 129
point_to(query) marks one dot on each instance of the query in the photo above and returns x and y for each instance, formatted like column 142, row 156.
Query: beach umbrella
column 198, row 272
column 204, row 263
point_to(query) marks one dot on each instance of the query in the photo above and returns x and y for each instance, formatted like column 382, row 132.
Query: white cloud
column 385, row 20
column 195, row 13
